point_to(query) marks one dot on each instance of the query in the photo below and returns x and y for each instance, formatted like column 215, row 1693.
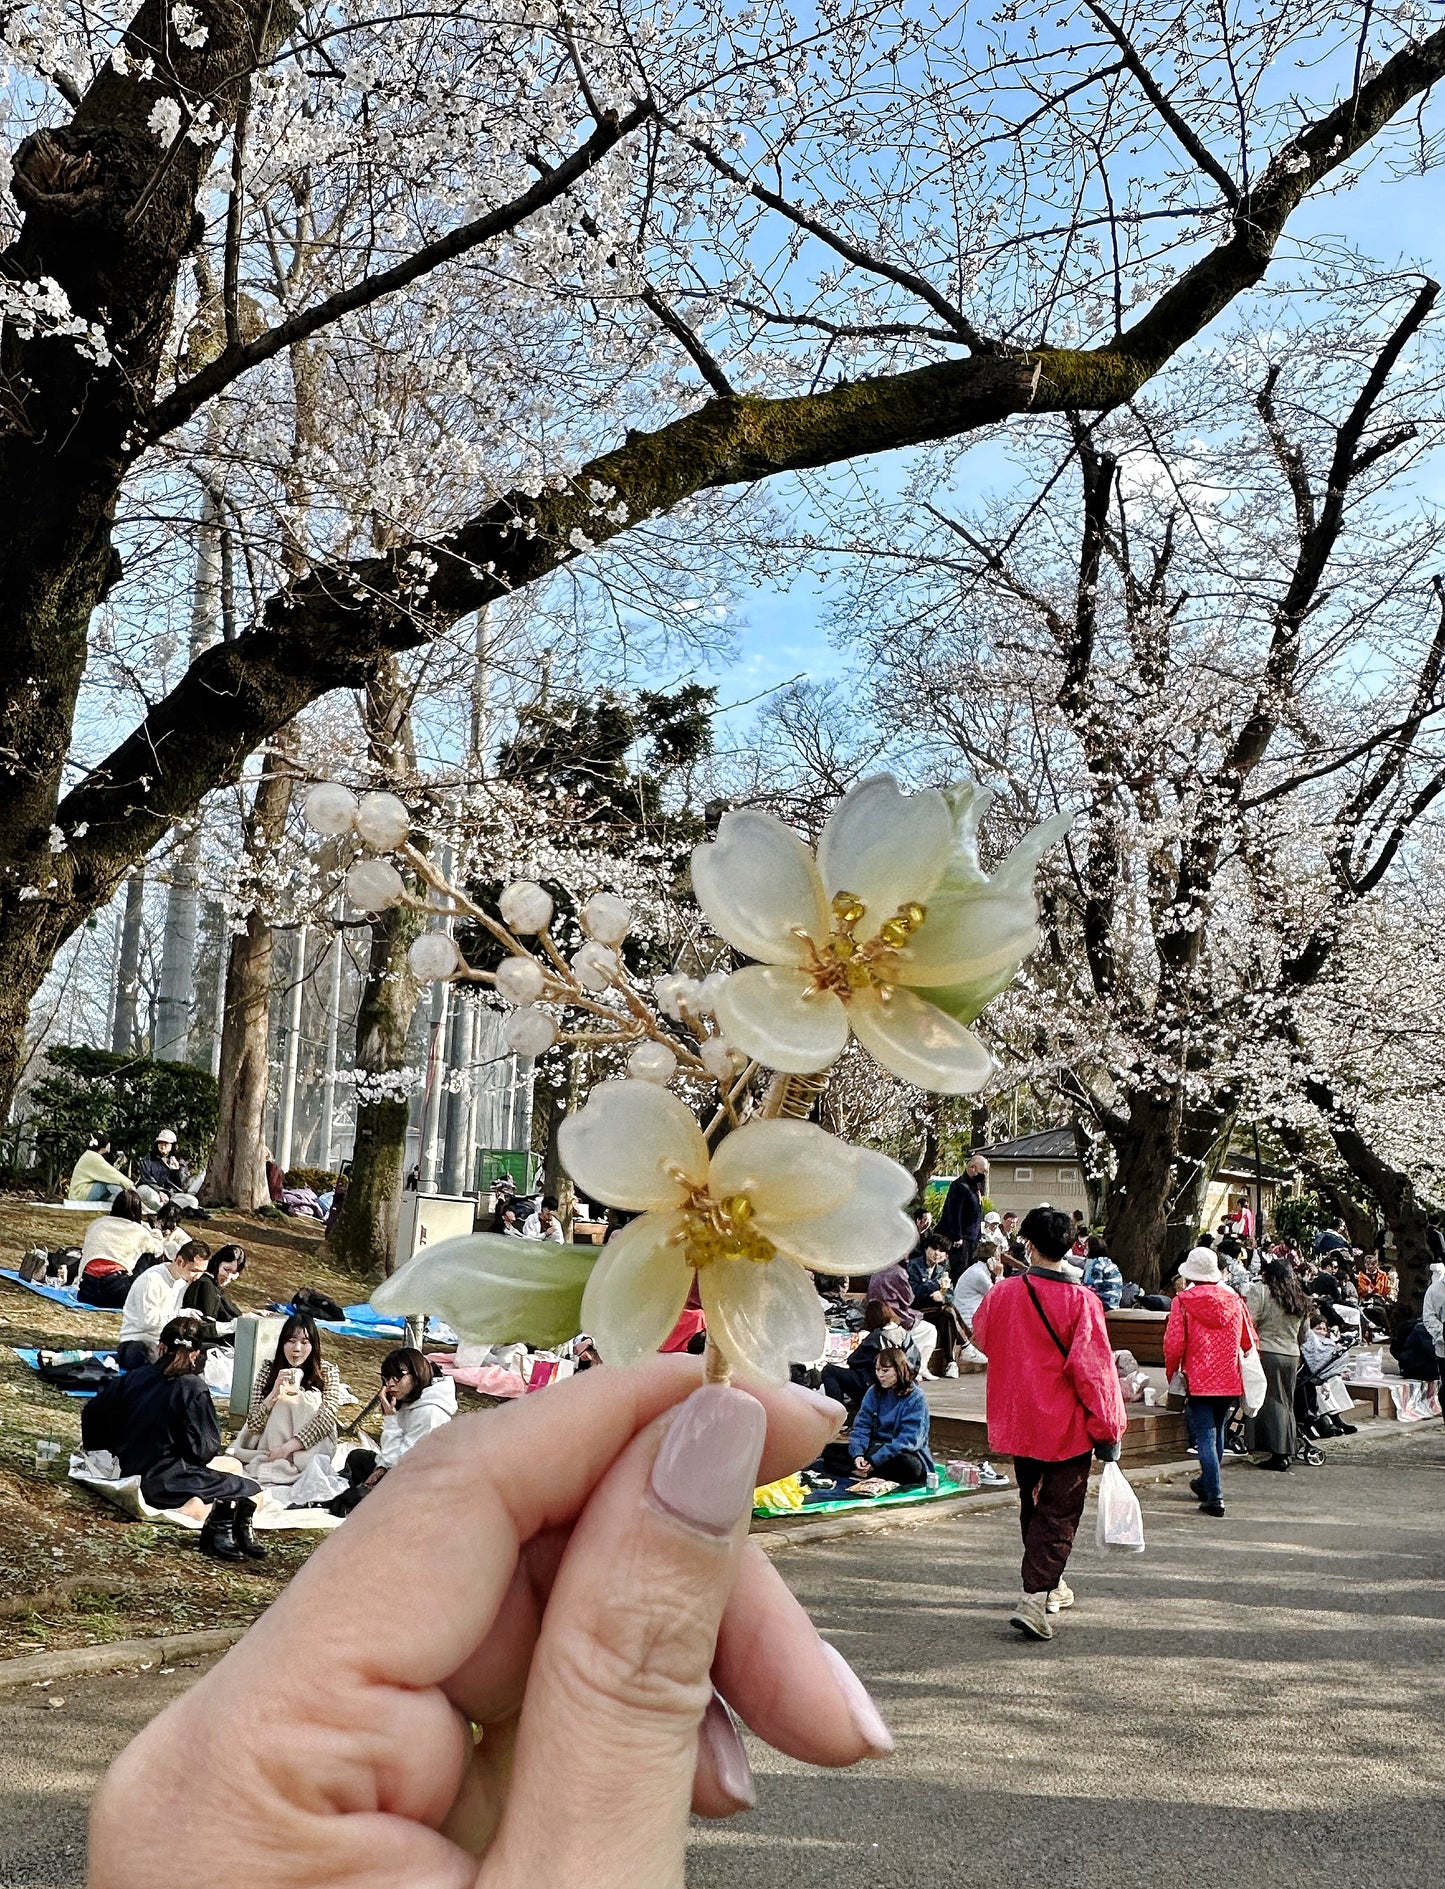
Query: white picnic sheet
column 99, row 1471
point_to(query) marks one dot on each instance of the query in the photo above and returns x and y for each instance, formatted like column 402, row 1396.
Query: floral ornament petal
column 638, row 1288
column 964, row 1001
column 1016, row 874
column 763, row 1317
column 758, row 885
column 871, row 1229
column 787, row 1169
column 620, row 1146
column 886, row 847
column 970, row 934
column 779, row 1017
column 494, row 1290
column 968, row 803
column 918, row 1042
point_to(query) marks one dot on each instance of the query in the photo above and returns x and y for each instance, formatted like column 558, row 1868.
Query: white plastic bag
column 1256, row 1384
column 1121, row 1520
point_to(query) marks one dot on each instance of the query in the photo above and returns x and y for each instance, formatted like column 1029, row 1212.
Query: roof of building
column 1053, row 1144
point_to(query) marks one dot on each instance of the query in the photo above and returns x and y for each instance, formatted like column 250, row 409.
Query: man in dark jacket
column 961, row 1221
column 164, row 1176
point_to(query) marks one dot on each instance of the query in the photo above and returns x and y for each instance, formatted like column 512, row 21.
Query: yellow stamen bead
column 844, row 948
column 845, row 905
column 913, row 914
column 858, row 978
column 895, row 932
column 740, row 1208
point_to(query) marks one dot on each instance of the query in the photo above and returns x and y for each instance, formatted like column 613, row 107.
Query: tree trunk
column 127, row 978
column 236, row 1173
column 364, row 1237
column 1136, row 1210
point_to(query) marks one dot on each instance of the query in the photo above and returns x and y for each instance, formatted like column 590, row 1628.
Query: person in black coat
column 207, row 1297
column 159, row 1421
column 961, row 1221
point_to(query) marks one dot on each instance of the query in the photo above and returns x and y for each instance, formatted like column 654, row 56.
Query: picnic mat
column 124, row 1493
column 59, row 1295
column 841, row 1504
column 31, row 1357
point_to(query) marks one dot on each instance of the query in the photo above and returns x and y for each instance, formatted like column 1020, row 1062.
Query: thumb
column 608, row 1741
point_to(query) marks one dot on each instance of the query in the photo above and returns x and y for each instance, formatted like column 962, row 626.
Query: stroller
column 1322, row 1361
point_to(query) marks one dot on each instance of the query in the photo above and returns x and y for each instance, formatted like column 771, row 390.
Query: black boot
column 218, row 1536
column 241, row 1532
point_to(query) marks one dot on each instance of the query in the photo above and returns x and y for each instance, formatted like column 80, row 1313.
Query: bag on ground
column 1121, row 1520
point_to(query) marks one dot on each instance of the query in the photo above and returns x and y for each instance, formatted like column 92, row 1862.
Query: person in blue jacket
column 890, row 1433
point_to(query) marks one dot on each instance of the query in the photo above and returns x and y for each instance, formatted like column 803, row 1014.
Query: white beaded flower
column 777, row 1199
column 894, row 931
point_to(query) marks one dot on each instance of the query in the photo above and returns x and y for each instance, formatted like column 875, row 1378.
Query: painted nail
column 825, row 1405
column 729, row 1756
column 707, row 1468
column 867, row 1720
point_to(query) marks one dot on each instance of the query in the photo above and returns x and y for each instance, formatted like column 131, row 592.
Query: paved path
column 1253, row 1704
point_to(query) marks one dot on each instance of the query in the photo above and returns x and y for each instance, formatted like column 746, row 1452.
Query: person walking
column 1280, row 1308
column 1432, row 1317
column 1205, row 1334
column 1053, row 1403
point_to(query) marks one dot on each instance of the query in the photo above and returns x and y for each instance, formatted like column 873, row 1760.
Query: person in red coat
column 1054, row 1403
column 1208, row 1328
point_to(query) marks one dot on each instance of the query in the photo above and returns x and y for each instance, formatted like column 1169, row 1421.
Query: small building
column 1236, row 1184
column 1035, row 1168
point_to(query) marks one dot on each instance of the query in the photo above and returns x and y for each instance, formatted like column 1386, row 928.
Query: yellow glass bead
column 843, row 948
column 858, row 978
column 843, row 904
column 895, row 932
column 740, row 1207
column 913, row 914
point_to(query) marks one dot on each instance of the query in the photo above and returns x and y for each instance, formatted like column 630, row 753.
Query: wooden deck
column 959, row 1427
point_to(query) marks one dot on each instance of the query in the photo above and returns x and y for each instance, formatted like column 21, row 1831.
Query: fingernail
column 825, row 1405
column 729, row 1756
column 707, row 1468
column 867, row 1719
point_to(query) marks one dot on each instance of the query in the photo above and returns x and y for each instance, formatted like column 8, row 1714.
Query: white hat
column 1201, row 1266
column 993, row 1219
column 166, row 1134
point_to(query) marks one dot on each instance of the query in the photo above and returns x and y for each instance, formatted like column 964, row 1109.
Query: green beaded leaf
column 493, row 1289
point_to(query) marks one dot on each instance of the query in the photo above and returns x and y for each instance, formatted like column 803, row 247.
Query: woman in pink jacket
column 1054, row 1403
column 1208, row 1328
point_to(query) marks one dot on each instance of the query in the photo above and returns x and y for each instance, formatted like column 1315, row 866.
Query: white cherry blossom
column 777, row 1200
column 893, row 931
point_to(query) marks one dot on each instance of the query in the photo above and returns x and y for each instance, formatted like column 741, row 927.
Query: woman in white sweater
column 416, row 1398
column 113, row 1243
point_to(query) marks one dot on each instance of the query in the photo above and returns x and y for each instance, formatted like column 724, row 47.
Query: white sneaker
column 989, row 1478
column 1059, row 1597
column 1031, row 1617
column 950, row 1370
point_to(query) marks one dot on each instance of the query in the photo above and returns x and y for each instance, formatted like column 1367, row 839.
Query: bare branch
column 1183, row 131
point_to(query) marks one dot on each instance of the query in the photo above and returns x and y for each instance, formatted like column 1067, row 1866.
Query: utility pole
column 333, row 1032
column 293, row 1049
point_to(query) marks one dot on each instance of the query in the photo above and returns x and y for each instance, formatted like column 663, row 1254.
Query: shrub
column 131, row 1098
column 319, row 1180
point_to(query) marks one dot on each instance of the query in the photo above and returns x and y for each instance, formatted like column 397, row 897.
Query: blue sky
column 1396, row 220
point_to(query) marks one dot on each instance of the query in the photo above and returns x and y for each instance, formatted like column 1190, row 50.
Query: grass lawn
column 73, row 1570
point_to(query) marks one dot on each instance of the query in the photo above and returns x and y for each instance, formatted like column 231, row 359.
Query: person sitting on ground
column 544, row 1224
column 416, row 1398
column 972, row 1286
column 153, row 1301
column 1080, row 1227
column 889, row 1437
column 94, row 1176
column 1101, row 1276
column 159, row 1422
column 207, row 1297
column 928, row 1275
column 1053, row 1403
column 164, row 1176
column 1331, row 1239
column 1133, row 1382
column 111, row 1247
column 294, row 1407
column 848, row 1383
column 1371, row 1279
column 890, row 1286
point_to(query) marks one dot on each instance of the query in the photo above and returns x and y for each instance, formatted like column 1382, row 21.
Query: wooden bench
column 1139, row 1332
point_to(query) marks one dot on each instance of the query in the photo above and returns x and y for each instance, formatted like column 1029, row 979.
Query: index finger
column 408, row 1588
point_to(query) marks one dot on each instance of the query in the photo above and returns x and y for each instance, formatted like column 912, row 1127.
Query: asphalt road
column 1252, row 1702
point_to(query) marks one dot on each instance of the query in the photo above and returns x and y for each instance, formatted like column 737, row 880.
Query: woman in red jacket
column 1208, row 1328
column 1053, row 1403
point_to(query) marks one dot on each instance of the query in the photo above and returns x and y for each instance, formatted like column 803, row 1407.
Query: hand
column 586, row 1582
column 1106, row 1452
column 862, row 1465
column 375, row 1477
column 385, row 1403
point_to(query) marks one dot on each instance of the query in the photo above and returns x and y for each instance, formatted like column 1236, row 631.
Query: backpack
column 308, row 1299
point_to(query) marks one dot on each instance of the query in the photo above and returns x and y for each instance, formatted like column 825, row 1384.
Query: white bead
column 529, row 1032
column 594, row 966
column 675, row 992
column 607, row 917
column 329, row 808
column 520, row 980
column 719, row 1061
column 652, row 1062
column 373, row 884
column 433, row 955
column 526, row 906
column 382, row 821
column 705, row 1001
